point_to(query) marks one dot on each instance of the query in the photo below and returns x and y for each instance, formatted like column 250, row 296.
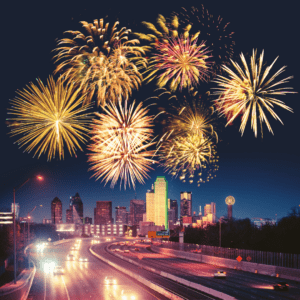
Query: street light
column 220, row 221
column 14, row 221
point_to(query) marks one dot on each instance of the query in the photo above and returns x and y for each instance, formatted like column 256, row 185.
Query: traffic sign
column 239, row 258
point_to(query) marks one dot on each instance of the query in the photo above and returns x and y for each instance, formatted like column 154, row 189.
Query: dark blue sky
column 262, row 174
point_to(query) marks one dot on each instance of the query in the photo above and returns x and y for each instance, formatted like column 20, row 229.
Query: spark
column 50, row 117
column 104, row 62
column 249, row 92
column 120, row 138
column 181, row 63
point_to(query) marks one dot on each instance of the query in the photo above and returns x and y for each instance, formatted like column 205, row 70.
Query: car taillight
column 287, row 285
column 225, row 273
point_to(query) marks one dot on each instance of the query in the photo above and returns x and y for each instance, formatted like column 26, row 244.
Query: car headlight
column 132, row 297
column 115, row 281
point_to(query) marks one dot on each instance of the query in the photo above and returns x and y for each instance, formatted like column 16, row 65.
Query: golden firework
column 165, row 30
column 103, row 62
column 120, row 138
column 249, row 92
column 50, row 117
column 188, row 156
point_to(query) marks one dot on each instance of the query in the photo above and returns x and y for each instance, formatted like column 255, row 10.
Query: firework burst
column 249, row 92
column 165, row 31
column 214, row 31
column 180, row 63
column 120, row 138
column 103, row 62
column 50, row 117
column 189, row 157
column 186, row 148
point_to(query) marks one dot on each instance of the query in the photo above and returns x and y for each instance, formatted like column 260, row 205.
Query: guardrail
column 139, row 278
column 286, row 260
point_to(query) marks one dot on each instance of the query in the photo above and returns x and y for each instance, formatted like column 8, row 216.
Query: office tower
column 207, row 209
column 56, row 211
column 137, row 209
column 161, row 202
column 150, row 208
column 185, row 204
column 171, row 216
column 121, row 215
column 200, row 212
column 69, row 216
column 174, row 205
column 103, row 213
column 76, row 206
column 213, row 211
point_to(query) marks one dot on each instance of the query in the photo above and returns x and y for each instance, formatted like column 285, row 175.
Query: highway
column 81, row 280
column 181, row 290
column 239, row 284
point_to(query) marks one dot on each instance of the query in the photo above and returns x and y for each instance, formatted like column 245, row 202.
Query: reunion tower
column 229, row 201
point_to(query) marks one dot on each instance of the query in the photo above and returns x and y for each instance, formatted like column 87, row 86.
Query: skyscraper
column 56, row 211
column 174, row 205
column 121, row 215
column 103, row 213
column 137, row 209
column 161, row 201
column 150, row 208
column 185, row 204
column 69, row 215
column 76, row 206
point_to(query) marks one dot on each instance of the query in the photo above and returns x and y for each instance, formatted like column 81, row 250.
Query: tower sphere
column 230, row 200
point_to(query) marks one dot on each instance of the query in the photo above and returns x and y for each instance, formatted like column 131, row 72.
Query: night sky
column 262, row 174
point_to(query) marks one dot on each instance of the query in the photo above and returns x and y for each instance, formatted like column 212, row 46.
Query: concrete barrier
column 194, row 285
column 270, row 270
column 139, row 278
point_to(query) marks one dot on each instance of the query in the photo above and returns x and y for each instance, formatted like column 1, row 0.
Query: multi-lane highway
column 183, row 291
column 239, row 284
column 81, row 280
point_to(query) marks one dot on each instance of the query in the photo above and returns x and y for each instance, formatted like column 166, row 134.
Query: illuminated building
column 121, row 215
column 210, row 209
column 69, row 216
column 47, row 221
column 17, row 210
column 171, row 216
column 150, row 208
column 77, row 208
column 172, row 204
column 6, row 217
column 103, row 213
column 104, row 230
column 137, row 209
column 185, row 204
column 56, row 211
column 161, row 202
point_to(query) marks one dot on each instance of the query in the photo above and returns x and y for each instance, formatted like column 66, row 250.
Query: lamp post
column 220, row 221
column 14, row 225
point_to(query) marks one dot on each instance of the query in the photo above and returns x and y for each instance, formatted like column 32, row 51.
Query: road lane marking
column 66, row 288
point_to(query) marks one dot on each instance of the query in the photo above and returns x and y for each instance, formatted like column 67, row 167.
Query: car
column 58, row 270
column 110, row 280
column 137, row 249
column 81, row 258
column 220, row 274
column 127, row 295
column 281, row 286
column 70, row 257
column 126, row 251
